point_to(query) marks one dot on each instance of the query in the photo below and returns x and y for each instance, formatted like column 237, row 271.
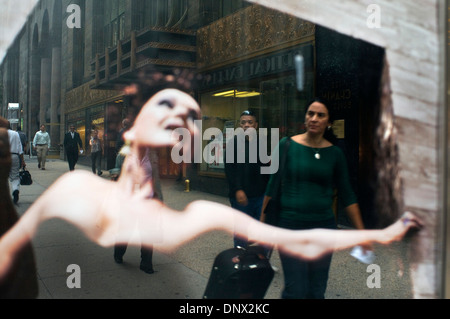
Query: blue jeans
column 253, row 209
column 305, row 279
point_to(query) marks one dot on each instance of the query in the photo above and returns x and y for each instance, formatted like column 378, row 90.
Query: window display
column 276, row 103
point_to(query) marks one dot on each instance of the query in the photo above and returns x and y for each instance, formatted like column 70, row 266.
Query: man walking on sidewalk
column 41, row 143
column 246, row 183
column 23, row 139
column 71, row 142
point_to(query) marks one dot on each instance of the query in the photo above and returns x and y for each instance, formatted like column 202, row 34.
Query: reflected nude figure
column 109, row 212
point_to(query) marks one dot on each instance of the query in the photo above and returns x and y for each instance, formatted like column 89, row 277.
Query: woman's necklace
column 317, row 155
column 317, row 150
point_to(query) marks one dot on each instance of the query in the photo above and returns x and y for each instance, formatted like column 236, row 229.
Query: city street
column 183, row 274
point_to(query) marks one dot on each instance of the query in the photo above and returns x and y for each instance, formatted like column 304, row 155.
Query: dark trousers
column 146, row 255
column 72, row 158
column 305, row 279
column 96, row 159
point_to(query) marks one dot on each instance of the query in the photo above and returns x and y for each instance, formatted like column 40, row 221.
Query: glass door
column 283, row 106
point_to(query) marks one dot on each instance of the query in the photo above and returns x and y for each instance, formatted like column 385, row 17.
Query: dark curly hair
column 149, row 81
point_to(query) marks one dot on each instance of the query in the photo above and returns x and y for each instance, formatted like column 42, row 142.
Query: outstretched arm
column 111, row 212
column 308, row 244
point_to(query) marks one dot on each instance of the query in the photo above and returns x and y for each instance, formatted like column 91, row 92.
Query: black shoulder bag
column 272, row 210
column 25, row 177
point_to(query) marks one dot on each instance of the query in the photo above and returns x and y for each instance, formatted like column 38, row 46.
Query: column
column 45, row 90
column 55, row 95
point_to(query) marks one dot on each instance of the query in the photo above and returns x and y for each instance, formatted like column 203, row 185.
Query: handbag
column 273, row 207
column 25, row 177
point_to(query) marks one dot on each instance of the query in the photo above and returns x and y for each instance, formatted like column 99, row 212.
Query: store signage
column 282, row 61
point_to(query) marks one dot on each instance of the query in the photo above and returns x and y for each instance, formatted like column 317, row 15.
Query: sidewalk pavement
column 184, row 273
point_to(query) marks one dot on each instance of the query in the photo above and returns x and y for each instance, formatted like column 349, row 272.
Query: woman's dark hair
column 329, row 134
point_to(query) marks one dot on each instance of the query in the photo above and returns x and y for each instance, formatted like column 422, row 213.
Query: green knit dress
column 308, row 183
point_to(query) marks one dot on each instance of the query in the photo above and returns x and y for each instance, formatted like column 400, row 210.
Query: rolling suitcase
column 240, row 273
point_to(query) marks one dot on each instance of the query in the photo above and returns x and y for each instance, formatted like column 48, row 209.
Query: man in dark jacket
column 71, row 142
column 246, row 183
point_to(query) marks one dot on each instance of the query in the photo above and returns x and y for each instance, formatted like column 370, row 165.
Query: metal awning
column 13, row 15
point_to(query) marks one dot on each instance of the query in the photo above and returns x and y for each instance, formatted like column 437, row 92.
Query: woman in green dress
column 314, row 169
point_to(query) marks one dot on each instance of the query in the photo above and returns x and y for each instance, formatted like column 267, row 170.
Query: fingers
column 410, row 220
column 401, row 228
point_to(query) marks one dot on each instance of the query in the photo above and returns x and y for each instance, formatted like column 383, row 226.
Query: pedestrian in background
column 120, row 150
column 246, row 183
column 41, row 143
column 72, row 141
column 120, row 142
column 96, row 152
column 23, row 139
column 150, row 164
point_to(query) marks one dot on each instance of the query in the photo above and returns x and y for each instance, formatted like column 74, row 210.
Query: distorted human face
column 43, row 128
column 317, row 118
column 72, row 128
column 164, row 112
column 248, row 121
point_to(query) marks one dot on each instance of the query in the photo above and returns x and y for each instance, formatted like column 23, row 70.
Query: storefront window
column 221, row 109
column 266, row 85
column 276, row 102
column 283, row 106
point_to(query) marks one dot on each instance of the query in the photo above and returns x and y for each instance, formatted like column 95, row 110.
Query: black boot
column 146, row 269
column 147, row 259
column 119, row 251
